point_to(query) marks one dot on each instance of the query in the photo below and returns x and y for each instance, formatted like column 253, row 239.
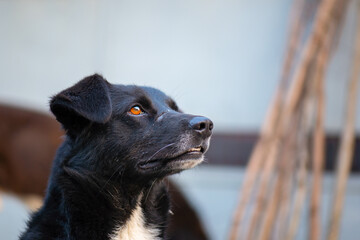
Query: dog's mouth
column 184, row 160
column 195, row 150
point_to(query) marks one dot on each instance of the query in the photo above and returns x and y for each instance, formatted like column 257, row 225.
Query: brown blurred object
column 28, row 143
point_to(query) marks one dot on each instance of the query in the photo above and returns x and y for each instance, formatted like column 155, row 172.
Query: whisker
column 112, row 175
column 166, row 146
column 117, row 169
column 147, row 195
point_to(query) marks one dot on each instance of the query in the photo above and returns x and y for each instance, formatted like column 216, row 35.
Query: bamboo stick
column 271, row 210
column 286, row 119
column 315, row 40
column 251, row 174
column 319, row 135
column 293, row 43
column 318, row 155
column 307, row 112
column 265, row 181
column 255, row 161
column 300, row 12
column 347, row 142
column 299, row 200
column 322, row 59
column 319, row 139
column 287, row 186
column 293, row 97
column 277, row 195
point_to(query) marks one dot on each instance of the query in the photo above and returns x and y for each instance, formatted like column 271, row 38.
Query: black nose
column 202, row 125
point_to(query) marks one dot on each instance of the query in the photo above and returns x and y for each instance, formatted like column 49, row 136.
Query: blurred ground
column 213, row 191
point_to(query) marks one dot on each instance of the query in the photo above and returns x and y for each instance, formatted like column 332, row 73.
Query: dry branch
column 318, row 155
column 279, row 194
column 315, row 40
column 319, row 139
column 347, row 142
column 264, row 183
column 261, row 148
column 270, row 172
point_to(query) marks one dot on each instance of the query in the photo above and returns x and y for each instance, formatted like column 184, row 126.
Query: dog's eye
column 136, row 110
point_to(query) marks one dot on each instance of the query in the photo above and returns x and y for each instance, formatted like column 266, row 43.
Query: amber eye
column 136, row 110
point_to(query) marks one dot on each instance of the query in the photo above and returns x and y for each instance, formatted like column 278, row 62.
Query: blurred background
column 218, row 58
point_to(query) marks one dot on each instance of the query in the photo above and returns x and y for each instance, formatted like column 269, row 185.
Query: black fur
column 111, row 158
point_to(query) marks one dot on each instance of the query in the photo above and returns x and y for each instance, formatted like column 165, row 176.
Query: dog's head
column 128, row 130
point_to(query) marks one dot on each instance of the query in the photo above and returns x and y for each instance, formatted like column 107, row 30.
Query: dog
column 28, row 143
column 107, row 177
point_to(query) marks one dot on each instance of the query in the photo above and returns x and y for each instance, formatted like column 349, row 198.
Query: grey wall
column 219, row 58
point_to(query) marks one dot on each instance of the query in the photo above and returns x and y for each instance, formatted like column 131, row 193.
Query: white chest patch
column 135, row 229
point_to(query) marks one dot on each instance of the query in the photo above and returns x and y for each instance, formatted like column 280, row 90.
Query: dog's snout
column 202, row 125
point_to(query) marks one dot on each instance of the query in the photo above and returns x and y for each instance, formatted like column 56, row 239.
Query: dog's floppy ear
column 87, row 101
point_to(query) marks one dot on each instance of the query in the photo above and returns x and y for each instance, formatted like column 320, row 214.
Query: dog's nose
column 202, row 125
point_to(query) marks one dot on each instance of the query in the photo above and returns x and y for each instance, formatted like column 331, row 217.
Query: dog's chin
column 185, row 162
column 172, row 165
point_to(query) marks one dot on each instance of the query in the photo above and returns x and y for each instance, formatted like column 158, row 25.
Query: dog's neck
column 123, row 212
column 135, row 228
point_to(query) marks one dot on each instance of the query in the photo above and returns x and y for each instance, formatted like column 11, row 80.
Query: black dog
column 106, row 181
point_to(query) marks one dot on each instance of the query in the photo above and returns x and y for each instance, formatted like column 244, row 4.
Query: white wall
column 219, row 58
